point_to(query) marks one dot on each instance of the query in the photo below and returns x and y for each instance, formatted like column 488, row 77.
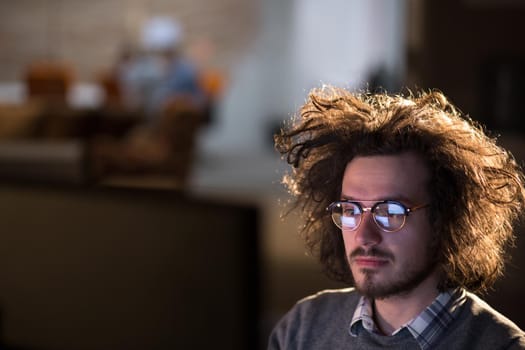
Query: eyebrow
column 393, row 197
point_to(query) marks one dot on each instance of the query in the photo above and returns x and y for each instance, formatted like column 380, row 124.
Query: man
column 409, row 201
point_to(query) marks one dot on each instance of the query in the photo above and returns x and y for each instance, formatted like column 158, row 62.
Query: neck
column 393, row 312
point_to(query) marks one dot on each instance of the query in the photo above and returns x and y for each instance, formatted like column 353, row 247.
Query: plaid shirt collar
column 426, row 328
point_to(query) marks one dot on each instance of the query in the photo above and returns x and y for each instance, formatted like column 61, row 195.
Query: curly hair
column 476, row 186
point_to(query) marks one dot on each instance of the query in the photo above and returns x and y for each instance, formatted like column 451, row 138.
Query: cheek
column 416, row 243
column 419, row 229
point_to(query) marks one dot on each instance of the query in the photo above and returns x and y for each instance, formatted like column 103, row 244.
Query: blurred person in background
column 160, row 72
column 409, row 201
column 164, row 85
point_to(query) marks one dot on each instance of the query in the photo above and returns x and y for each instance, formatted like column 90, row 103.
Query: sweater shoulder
column 479, row 326
column 319, row 318
column 485, row 314
column 326, row 303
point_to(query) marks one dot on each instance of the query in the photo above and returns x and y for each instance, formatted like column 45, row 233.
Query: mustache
column 360, row 251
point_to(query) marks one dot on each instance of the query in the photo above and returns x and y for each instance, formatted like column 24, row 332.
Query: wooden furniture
column 49, row 80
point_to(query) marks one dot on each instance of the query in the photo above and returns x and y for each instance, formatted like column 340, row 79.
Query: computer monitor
column 126, row 269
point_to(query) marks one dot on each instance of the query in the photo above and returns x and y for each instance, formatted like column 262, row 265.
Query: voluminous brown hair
column 476, row 187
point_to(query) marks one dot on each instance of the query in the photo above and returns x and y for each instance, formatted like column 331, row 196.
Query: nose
column 368, row 234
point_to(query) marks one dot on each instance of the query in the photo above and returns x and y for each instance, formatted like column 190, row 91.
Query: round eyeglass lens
column 346, row 216
column 389, row 216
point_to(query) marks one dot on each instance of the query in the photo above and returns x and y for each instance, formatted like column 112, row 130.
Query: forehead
column 402, row 176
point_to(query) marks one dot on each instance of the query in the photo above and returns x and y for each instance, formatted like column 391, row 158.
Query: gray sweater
column 323, row 322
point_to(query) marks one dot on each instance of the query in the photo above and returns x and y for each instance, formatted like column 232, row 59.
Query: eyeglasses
column 389, row 216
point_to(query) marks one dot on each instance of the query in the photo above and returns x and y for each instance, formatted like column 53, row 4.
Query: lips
column 371, row 258
column 370, row 262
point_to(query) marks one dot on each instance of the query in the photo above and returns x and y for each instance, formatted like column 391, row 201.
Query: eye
column 350, row 209
column 382, row 210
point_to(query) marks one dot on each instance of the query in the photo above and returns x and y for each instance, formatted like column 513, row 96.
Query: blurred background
column 140, row 193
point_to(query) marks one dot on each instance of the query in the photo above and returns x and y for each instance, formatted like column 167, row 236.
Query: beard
column 411, row 276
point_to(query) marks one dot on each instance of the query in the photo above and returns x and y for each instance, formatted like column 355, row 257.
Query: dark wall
column 474, row 52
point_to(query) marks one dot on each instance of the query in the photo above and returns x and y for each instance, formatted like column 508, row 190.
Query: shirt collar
column 426, row 328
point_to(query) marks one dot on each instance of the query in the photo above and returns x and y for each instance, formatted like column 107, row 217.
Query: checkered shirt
column 426, row 328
